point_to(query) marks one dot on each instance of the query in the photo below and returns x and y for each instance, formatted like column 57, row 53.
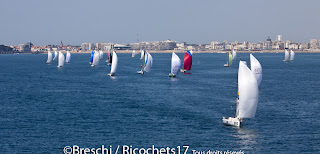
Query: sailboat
column 114, row 64
column 187, row 62
column 60, row 59
column 133, row 53
column 143, row 62
column 147, row 63
column 96, row 59
column 175, row 65
column 49, row 58
column 286, row 56
column 256, row 68
column 248, row 94
column 143, row 53
column 91, row 59
column 292, row 55
column 68, row 57
column 234, row 55
column 229, row 60
column 100, row 54
column 55, row 55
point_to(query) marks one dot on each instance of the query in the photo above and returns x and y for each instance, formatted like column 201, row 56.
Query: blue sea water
column 44, row 108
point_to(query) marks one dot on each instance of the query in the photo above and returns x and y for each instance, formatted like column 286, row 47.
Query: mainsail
column 229, row 59
column 234, row 55
column 256, row 68
column 101, row 54
column 109, row 59
column 286, row 55
column 55, row 55
column 142, row 54
column 133, row 53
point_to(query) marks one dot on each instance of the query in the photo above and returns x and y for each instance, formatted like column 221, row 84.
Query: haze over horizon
column 77, row 21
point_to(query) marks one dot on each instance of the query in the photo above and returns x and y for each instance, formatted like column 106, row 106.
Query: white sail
column 133, row 53
column 191, row 52
column 114, row 63
column 292, row 55
column 147, row 62
column 142, row 54
column 248, row 92
column 61, row 59
column 49, row 57
column 55, row 55
column 100, row 54
column 96, row 58
column 234, row 55
column 175, row 64
column 286, row 55
column 68, row 57
column 256, row 68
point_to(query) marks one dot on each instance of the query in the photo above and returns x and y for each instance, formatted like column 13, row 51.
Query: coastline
column 210, row 51
column 176, row 51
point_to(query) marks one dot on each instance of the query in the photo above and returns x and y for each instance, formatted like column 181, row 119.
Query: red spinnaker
column 187, row 61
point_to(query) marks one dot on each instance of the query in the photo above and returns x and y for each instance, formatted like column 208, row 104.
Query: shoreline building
column 87, row 46
column 269, row 44
column 25, row 47
column 279, row 38
column 314, row 44
column 155, row 45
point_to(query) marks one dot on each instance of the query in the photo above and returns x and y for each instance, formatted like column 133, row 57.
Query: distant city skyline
column 78, row 21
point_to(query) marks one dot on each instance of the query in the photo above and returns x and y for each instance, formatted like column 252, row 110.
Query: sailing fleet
column 249, row 79
column 60, row 56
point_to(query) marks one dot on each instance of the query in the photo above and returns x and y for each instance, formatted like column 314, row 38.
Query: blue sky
column 46, row 22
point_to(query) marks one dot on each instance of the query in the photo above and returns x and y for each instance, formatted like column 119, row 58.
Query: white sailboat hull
column 182, row 70
column 140, row 72
column 231, row 121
